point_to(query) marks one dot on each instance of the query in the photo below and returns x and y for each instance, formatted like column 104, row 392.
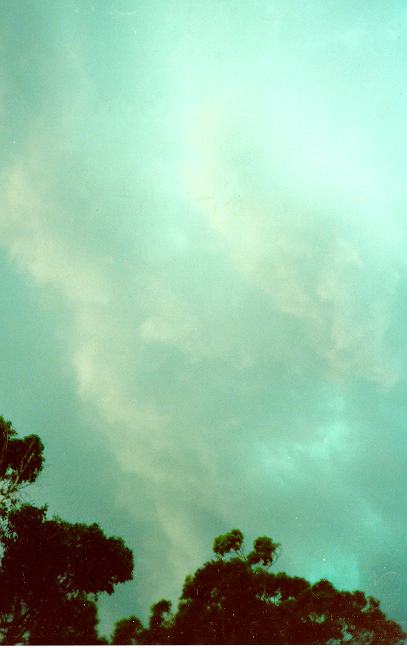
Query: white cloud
column 229, row 308
column 320, row 260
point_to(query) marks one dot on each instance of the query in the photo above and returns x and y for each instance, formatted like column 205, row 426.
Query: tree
column 234, row 599
column 50, row 577
column 130, row 631
column 21, row 460
column 51, row 571
column 127, row 631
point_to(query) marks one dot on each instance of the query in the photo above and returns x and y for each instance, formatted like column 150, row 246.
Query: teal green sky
column 203, row 280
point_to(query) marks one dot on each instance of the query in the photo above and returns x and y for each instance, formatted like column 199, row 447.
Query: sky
column 203, row 278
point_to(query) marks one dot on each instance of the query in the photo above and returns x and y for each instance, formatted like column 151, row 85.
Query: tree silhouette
column 21, row 460
column 50, row 576
column 127, row 631
column 51, row 571
column 235, row 599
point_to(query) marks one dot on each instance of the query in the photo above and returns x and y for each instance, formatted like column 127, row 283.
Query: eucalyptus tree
column 237, row 599
column 51, row 571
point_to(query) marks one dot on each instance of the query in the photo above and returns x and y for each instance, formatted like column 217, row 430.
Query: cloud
column 29, row 229
column 230, row 261
column 310, row 259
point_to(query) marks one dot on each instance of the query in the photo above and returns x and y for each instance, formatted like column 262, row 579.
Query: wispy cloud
column 229, row 250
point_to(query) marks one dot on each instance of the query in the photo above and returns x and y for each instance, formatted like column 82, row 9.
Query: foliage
column 51, row 571
column 235, row 599
column 127, row 631
column 21, row 460
column 264, row 551
column 231, row 542
column 130, row 631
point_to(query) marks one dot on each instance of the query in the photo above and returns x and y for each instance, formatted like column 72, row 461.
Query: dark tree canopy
column 51, row 571
column 127, row 631
column 50, row 576
column 21, row 460
column 235, row 599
